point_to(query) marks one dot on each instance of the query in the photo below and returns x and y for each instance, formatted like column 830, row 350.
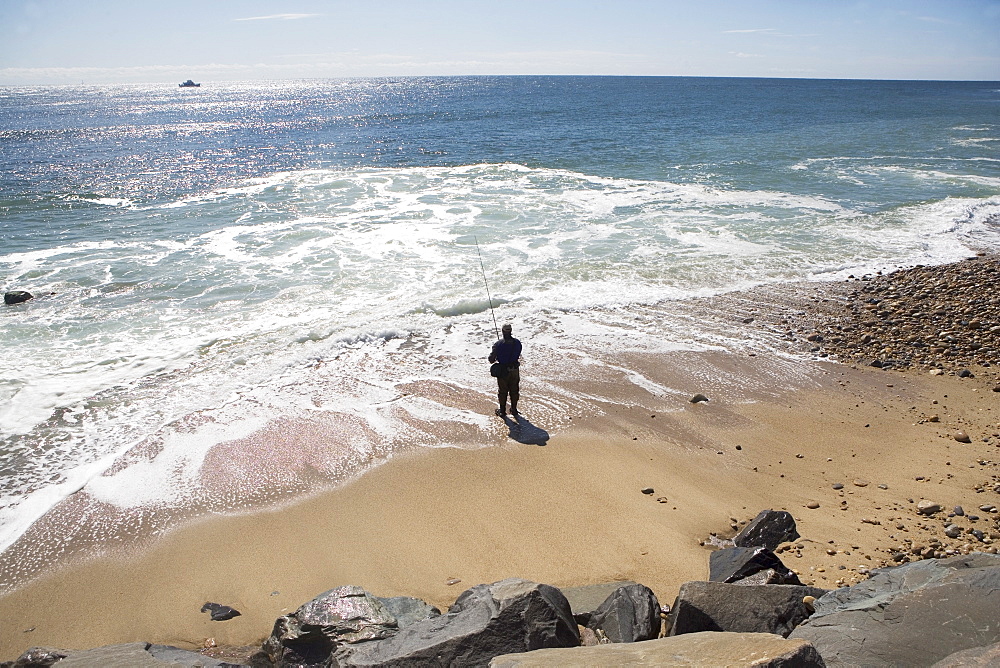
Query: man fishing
column 506, row 352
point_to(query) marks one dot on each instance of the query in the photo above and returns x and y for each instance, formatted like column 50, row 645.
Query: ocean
column 249, row 291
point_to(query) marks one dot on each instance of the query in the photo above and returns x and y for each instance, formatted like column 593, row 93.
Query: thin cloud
column 740, row 54
column 770, row 32
column 934, row 19
column 278, row 17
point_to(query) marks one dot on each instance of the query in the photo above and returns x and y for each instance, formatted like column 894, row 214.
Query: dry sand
column 568, row 513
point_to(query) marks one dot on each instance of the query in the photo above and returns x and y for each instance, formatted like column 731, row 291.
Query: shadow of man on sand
column 522, row 431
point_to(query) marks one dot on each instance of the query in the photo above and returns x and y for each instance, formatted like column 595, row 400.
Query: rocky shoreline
column 752, row 611
column 944, row 318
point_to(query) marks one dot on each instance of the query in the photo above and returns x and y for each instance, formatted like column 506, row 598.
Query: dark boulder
column 910, row 615
column 717, row 606
column 978, row 657
column 630, row 614
column 736, row 563
column 488, row 620
column 16, row 297
column 309, row 636
column 769, row 529
column 583, row 601
column 760, row 650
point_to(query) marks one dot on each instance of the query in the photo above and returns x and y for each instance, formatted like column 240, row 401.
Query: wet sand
column 776, row 433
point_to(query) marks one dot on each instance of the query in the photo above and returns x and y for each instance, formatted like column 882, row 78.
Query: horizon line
column 467, row 76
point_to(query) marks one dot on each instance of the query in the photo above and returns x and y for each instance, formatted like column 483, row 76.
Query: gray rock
column 630, row 614
column 694, row 650
column 16, row 297
column 698, row 398
column 408, row 610
column 768, row 576
column 40, row 657
column 769, row 529
column 736, row 563
column 717, row 606
column 310, row 635
column 911, row 615
column 953, row 531
column 978, row 657
column 488, row 620
column 175, row 656
column 134, row 655
column 583, row 601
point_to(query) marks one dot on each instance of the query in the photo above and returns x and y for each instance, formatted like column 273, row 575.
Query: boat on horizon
column 189, row 84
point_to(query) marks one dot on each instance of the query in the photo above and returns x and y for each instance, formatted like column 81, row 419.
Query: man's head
column 506, row 329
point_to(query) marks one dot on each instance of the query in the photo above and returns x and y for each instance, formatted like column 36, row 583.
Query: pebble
column 962, row 437
column 698, row 398
column 860, row 483
column 647, row 490
column 219, row 612
column 953, row 531
column 838, row 485
column 813, row 505
column 452, row 581
column 959, row 510
column 883, row 486
column 922, row 316
column 926, row 507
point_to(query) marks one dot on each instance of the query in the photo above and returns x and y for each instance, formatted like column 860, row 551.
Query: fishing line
column 488, row 297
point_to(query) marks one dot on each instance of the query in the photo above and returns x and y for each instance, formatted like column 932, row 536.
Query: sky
column 141, row 41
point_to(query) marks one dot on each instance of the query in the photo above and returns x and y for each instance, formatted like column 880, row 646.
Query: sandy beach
column 848, row 449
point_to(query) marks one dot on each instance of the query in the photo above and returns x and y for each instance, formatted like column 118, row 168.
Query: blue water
column 212, row 262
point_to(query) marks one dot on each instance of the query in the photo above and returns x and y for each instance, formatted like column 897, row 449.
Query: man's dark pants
column 509, row 384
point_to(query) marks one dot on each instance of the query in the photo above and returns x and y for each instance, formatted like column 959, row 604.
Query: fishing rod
column 488, row 297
